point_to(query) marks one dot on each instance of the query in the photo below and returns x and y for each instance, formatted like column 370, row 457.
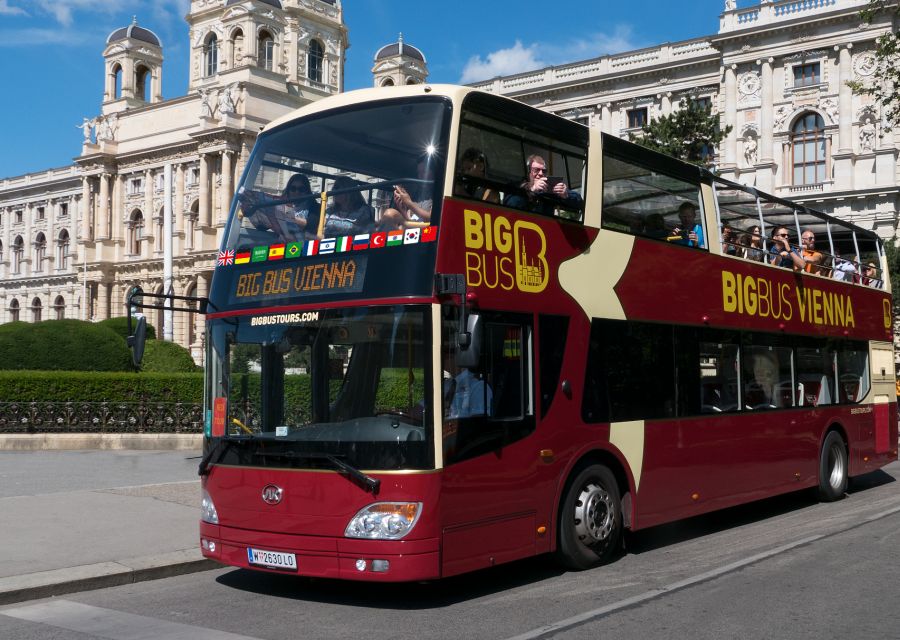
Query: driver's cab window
column 487, row 397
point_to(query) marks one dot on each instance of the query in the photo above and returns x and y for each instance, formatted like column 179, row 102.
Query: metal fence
column 100, row 417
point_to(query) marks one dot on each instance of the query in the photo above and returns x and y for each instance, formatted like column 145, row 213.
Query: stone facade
column 76, row 239
column 777, row 73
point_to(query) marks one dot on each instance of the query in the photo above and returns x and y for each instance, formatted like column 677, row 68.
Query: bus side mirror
column 469, row 355
column 137, row 340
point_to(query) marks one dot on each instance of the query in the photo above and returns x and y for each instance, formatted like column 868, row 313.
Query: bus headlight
column 384, row 521
column 207, row 508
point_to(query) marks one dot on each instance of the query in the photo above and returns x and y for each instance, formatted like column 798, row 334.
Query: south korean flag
column 411, row 236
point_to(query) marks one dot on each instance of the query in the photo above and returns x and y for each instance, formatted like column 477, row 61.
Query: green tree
column 885, row 83
column 691, row 133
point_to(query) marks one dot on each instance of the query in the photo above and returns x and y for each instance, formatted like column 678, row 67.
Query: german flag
column 242, row 258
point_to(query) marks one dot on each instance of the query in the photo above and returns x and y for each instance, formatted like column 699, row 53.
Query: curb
column 45, row 584
column 102, row 441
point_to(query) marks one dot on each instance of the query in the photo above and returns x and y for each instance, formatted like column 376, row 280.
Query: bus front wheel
column 590, row 519
column 833, row 468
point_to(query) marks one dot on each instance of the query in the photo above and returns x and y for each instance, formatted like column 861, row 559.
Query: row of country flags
column 326, row 246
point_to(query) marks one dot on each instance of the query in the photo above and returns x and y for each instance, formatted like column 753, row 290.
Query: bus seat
column 848, row 390
column 814, row 386
column 784, row 394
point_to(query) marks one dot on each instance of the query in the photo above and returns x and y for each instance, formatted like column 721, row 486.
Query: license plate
column 272, row 559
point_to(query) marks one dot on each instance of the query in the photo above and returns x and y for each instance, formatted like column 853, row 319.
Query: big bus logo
column 505, row 255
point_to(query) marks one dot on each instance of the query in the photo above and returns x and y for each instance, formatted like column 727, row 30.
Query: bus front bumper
column 325, row 557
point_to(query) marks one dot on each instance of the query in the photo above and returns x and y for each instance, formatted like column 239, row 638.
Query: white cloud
column 515, row 59
column 519, row 58
column 6, row 10
column 147, row 10
column 43, row 37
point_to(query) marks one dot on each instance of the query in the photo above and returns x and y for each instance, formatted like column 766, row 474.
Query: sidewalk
column 76, row 520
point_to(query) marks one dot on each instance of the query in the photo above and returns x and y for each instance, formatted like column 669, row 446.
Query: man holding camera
column 537, row 186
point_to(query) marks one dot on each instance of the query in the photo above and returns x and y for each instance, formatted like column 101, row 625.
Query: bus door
column 487, row 505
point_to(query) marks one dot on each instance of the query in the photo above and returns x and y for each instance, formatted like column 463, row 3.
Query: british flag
column 225, row 258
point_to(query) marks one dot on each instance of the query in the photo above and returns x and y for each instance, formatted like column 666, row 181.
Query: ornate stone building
column 399, row 64
column 76, row 239
column 777, row 73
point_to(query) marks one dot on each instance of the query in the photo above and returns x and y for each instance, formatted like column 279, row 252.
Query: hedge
column 167, row 357
column 120, row 326
column 87, row 386
column 62, row 345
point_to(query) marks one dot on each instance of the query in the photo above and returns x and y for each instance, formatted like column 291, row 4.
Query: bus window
column 718, row 377
column 489, row 405
column 814, row 375
column 852, row 372
column 767, row 378
column 554, row 331
column 506, row 134
column 641, row 201
column 630, row 372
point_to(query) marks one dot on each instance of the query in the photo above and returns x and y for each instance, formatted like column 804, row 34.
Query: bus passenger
column 782, row 254
column 536, row 184
column 761, row 390
column 689, row 231
column 754, row 248
column 655, row 227
column 348, row 214
column 814, row 259
column 729, row 241
column 870, row 276
column 844, row 270
column 301, row 203
column 474, row 164
column 407, row 211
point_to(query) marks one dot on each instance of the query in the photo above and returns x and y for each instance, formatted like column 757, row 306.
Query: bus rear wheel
column 590, row 519
column 833, row 468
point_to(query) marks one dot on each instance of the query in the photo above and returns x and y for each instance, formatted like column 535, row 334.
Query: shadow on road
column 441, row 593
column 401, row 597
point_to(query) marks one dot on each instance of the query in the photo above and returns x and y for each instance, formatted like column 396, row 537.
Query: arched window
column 14, row 310
column 62, row 250
column 211, row 56
column 411, row 81
column 808, row 149
column 315, row 61
column 59, row 308
column 36, row 309
column 18, row 254
column 40, row 252
column 117, row 81
column 266, row 49
column 237, row 48
column 142, row 77
column 135, row 232
column 388, row 82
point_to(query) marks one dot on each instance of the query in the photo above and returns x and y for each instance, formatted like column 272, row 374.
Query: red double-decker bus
column 448, row 330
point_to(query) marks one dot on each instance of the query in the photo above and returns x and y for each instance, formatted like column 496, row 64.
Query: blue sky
column 51, row 64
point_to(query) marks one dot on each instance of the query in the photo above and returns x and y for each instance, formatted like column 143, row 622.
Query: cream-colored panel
column 590, row 277
column 628, row 437
column 437, row 378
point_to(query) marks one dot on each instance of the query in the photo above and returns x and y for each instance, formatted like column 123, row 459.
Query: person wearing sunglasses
column 782, row 254
column 534, row 190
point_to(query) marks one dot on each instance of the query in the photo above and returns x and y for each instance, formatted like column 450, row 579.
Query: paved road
column 784, row 568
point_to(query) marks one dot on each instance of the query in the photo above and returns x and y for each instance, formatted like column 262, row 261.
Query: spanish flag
column 276, row 252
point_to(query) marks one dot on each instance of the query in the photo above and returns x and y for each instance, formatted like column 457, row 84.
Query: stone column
column 225, row 192
column 665, row 103
column 845, row 101
column 102, row 311
column 766, row 114
column 178, row 205
column 103, row 209
column 606, row 117
column 730, row 154
column 86, row 210
column 118, row 212
column 205, row 213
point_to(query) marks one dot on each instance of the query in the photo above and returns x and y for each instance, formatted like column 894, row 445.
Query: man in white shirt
column 468, row 395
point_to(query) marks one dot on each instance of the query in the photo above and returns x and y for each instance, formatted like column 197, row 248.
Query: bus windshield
column 348, row 383
column 345, row 173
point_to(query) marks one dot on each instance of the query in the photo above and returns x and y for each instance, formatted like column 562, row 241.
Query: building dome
column 271, row 3
column 134, row 32
column 399, row 48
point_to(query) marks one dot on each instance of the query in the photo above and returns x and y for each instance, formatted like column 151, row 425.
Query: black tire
column 833, row 468
column 590, row 519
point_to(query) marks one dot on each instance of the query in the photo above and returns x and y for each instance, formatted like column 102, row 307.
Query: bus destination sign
column 342, row 275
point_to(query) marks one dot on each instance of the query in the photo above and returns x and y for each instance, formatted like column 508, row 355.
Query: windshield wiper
column 363, row 480
column 218, row 450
